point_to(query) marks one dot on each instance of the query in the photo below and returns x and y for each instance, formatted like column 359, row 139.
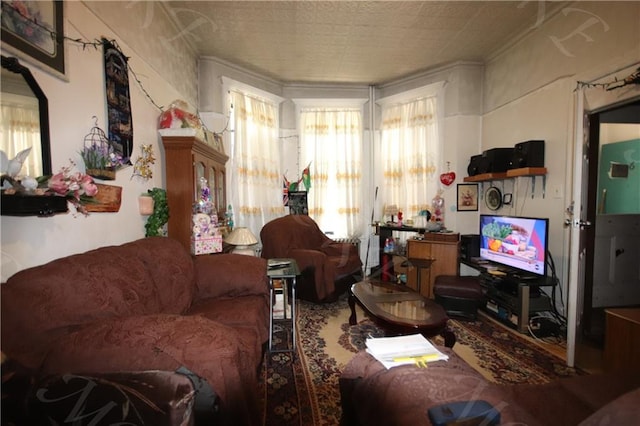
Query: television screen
column 518, row 242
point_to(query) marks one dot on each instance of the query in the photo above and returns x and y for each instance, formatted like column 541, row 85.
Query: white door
column 587, row 100
column 578, row 222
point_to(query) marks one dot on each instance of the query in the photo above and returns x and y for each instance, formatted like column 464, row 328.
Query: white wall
column 29, row 241
column 529, row 94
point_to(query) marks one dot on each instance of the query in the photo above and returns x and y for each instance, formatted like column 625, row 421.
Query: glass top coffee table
column 399, row 309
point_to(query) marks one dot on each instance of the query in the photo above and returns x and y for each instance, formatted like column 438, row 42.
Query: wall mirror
column 25, row 118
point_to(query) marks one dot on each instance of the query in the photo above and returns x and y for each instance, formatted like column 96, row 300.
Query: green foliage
column 498, row 231
column 160, row 215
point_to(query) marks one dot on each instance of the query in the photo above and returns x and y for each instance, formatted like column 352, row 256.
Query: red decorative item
column 448, row 177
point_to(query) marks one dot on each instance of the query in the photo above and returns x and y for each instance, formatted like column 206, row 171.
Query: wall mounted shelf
column 532, row 172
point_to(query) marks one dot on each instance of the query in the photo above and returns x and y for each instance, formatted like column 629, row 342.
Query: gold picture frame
column 467, row 197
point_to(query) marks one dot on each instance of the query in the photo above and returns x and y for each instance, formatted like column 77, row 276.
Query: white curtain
column 331, row 141
column 256, row 195
column 410, row 153
column 19, row 130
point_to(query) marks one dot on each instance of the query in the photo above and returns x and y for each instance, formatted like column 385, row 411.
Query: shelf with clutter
column 525, row 159
column 531, row 172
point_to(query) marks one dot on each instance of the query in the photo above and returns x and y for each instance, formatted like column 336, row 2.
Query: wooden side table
column 622, row 340
column 286, row 272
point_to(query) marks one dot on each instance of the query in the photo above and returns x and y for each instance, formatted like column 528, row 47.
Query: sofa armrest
column 306, row 258
column 335, row 248
column 230, row 275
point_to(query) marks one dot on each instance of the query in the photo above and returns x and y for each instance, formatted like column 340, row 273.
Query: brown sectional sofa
column 372, row 395
column 144, row 305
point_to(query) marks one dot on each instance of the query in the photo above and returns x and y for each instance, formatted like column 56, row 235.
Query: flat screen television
column 515, row 242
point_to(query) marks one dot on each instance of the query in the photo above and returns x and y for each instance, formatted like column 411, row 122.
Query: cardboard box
column 206, row 245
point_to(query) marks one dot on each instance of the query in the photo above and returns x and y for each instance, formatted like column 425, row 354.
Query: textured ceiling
column 364, row 42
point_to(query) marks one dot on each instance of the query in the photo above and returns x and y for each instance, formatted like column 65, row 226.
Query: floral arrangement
column 101, row 156
column 76, row 187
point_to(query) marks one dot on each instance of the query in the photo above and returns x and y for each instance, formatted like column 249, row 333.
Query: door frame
column 588, row 101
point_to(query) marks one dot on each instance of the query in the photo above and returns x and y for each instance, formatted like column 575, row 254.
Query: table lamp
column 391, row 210
column 242, row 238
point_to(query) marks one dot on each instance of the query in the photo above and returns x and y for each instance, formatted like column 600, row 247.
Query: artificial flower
column 77, row 187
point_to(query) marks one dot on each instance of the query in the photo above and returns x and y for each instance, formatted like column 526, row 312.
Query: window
column 410, row 149
column 254, row 165
column 331, row 139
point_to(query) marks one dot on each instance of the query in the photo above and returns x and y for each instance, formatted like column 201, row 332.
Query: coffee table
column 399, row 309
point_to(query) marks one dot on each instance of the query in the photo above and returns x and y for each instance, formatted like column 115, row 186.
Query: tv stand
column 513, row 298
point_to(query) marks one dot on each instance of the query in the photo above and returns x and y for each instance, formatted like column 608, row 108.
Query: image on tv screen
column 514, row 241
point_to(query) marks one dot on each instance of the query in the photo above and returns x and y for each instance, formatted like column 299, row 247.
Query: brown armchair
column 327, row 267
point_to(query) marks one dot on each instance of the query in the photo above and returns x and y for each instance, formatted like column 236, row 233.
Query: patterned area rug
column 303, row 391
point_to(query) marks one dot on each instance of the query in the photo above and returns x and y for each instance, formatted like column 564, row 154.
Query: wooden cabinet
column 622, row 340
column 443, row 250
column 187, row 159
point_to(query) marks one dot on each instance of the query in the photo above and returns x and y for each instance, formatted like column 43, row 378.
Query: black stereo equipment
column 469, row 246
column 474, row 165
column 496, row 160
column 527, row 154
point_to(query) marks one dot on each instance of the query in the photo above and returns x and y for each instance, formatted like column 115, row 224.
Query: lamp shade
column 241, row 237
column 390, row 209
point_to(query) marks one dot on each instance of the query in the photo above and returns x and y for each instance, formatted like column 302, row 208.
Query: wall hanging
column 448, row 177
column 118, row 100
column 493, row 198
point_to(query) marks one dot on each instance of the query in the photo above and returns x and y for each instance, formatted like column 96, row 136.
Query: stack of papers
column 403, row 350
column 278, row 263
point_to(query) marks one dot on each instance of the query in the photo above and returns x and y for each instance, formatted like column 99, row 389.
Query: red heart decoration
column 447, row 178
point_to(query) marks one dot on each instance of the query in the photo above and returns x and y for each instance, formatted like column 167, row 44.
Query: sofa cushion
column 156, row 398
column 247, row 312
column 230, row 275
column 221, row 355
column 171, row 268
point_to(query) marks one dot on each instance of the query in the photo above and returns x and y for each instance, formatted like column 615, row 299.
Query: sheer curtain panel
column 256, row 182
column 410, row 154
column 19, row 130
column 331, row 140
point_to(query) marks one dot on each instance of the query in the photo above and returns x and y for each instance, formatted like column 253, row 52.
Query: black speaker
column 474, row 165
column 496, row 160
column 469, row 246
column 527, row 154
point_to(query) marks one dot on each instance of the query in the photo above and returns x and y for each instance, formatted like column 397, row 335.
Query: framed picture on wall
column 35, row 30
column 467, row 197
column 298, row 202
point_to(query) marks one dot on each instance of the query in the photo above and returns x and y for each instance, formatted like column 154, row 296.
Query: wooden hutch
column 187, row 159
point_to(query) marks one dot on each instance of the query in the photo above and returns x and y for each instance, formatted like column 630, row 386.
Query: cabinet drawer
column 418, row 249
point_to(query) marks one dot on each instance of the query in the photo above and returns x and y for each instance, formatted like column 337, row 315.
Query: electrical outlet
column 557, row 192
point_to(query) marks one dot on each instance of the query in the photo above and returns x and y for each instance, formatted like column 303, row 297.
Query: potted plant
column 156, row 222
column 145, row 204
column 101, row 161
